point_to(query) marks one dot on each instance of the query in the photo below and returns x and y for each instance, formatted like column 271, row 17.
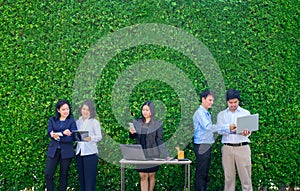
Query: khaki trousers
column 237, row 157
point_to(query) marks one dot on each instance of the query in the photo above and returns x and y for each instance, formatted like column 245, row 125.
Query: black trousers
column 203, row 158
column 87, row 171
column 51, row 164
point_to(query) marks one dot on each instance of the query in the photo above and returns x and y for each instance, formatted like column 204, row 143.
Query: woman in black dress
column 148, row 132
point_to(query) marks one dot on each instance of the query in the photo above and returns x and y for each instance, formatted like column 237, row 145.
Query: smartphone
column 131, row 125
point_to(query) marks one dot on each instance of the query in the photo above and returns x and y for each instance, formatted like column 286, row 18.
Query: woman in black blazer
column 60, row 149
column 149, row 133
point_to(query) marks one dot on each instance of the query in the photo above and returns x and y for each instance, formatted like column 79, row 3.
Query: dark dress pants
column 51, row 164
column 87, row 171
column 203, row 158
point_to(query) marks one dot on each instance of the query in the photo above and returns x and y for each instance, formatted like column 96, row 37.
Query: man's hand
column 232, row 128
column 246, row 132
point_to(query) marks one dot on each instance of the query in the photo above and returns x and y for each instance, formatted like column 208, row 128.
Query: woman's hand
column 67, row 132
column 88, row 138
column 132, row 130
column 54, row 136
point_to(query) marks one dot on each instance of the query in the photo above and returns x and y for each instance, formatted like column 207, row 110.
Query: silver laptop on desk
column 132, row 152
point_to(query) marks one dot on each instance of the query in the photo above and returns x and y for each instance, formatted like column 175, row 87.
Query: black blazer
column 66, row 142
column 155, row 146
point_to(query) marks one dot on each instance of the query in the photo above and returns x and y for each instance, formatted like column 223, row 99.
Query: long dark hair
column 59, row 104
column 91, row 107
column 152, row 110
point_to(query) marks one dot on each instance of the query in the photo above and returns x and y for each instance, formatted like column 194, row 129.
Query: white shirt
column 228, row 117
column 94, row 129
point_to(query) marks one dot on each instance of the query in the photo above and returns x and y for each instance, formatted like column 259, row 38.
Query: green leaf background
column 255, row 43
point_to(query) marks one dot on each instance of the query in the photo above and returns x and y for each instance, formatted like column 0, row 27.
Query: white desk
column 186, row 163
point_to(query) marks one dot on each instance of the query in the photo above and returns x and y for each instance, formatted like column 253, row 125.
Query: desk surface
column 175, row 161
column 186, row 163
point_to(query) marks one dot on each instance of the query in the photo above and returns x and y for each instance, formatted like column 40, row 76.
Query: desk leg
column 189, row 177
column 185, row 177
column 122, row 177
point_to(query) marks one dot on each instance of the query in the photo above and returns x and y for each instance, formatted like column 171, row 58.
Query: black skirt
column 147, row 168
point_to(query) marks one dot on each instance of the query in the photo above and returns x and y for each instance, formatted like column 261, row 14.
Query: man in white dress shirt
column 236, row 151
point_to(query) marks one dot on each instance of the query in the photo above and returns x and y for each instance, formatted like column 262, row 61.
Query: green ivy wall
column 254, row 43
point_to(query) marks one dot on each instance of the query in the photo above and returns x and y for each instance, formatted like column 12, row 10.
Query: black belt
column 236, row 144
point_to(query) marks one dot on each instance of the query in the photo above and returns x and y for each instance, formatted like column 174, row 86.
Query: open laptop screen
column 132, row 152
